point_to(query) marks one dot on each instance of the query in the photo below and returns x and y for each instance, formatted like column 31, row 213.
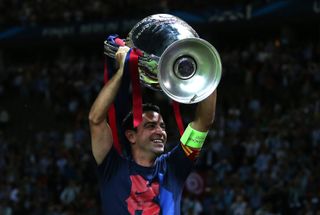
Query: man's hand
column 120, row 57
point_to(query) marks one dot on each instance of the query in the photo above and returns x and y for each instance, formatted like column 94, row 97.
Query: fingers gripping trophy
column 173, row 59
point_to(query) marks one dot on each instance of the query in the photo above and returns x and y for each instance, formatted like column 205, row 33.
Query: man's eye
column 150, row 125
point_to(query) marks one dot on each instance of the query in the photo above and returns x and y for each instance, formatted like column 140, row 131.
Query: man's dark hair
column 127, row 123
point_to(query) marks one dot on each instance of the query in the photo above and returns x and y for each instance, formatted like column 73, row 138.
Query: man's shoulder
column 112, row 162
column 175, row 156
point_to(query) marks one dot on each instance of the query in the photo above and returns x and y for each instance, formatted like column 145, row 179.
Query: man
column 151, row 182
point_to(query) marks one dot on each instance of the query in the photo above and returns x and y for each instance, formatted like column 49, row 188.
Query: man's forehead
column 152, row 116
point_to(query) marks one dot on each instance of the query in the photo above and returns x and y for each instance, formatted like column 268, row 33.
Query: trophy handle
column 147, row 64
column 111, row 45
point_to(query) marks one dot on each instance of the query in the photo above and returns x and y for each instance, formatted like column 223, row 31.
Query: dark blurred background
column 262, row 155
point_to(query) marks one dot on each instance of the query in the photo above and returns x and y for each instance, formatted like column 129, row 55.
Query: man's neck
column 143, row 159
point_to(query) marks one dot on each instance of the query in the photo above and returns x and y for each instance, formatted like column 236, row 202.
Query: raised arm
column 205, row 113
column 101, row 135
column 195, row 134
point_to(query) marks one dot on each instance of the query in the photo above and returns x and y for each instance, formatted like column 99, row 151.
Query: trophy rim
column 211, row 83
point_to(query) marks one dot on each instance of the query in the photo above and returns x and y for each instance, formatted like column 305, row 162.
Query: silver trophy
column 174, row 59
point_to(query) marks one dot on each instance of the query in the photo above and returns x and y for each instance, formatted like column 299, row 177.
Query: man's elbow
column 202, row 124
column 94, row 119
column 208, row 125
column 207, row 122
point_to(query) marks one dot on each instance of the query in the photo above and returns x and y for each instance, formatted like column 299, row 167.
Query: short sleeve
column 110, row 164
column 180, row 164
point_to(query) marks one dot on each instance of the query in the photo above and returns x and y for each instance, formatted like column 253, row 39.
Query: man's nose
column 159, row 129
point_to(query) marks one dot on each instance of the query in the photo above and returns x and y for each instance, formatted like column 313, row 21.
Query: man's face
column 151, row 136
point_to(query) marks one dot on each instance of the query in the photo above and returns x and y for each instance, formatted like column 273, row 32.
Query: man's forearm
column 108, row 93
column 205, row 113
column 105, row 99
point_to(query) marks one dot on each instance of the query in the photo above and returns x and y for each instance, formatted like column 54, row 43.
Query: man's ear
column 131, row 136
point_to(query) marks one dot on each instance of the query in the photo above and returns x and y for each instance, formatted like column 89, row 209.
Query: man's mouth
column 158, row 141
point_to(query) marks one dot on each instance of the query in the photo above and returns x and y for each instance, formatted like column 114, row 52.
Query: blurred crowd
column 261, row 156
column 42, row 12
